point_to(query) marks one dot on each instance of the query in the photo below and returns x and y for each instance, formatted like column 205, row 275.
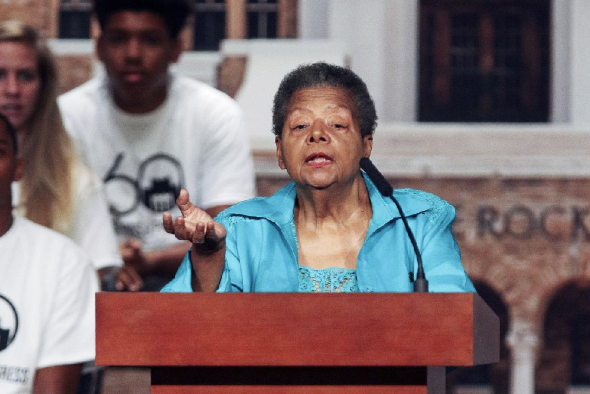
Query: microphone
column 420, row 284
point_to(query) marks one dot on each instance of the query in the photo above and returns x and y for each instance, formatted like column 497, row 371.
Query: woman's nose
column 10, row 85
column 318, row 133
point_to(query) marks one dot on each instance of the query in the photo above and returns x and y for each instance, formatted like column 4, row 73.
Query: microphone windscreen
column 378, row 179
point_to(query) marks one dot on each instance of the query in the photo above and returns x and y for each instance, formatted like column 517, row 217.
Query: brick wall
column 74, row 70
column 41, row 14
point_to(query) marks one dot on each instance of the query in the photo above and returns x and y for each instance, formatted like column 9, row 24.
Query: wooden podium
column 295, row 343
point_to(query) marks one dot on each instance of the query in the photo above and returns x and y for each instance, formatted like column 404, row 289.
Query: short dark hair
column 11, row 132
column 174, row 12
column 324, row 75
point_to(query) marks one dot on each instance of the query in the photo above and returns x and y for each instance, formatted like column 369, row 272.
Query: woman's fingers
column 183, row 202
column 215, row 231
column 181, row 231
column 199, row 234
column 214, row 236
column 168, row 223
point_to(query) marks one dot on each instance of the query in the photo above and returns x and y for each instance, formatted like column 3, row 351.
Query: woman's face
column 321, row 142
column 19, row 82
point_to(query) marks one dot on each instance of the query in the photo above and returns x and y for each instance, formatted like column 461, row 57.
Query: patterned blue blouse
column 327, row 280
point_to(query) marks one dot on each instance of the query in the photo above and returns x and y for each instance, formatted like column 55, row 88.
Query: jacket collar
column 279, row 207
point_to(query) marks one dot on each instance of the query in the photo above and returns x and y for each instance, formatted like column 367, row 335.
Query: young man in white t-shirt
column 47, row 291
column 149, row 131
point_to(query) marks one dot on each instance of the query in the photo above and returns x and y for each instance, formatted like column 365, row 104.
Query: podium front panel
column 277, row 329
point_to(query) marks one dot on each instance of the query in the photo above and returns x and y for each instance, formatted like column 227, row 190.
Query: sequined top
column 327, row 280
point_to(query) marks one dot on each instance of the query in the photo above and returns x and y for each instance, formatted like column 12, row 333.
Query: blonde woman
column 56, row 189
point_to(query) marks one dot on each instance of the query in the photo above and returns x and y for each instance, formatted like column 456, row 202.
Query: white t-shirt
column 195, row 139
column 91, row 227
column 47, row 289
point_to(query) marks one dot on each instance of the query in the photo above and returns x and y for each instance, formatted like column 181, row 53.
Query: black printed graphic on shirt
column 155, row 187
column 8, row 322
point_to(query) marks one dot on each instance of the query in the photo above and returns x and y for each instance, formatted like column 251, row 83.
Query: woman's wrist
column 208, row 247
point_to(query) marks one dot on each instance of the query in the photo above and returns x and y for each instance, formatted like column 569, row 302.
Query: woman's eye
column 26, row 76
column 299, row 126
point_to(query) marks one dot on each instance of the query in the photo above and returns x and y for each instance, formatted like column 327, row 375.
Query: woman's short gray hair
column 324, row 75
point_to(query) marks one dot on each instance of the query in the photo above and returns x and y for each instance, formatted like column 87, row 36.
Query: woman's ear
column 367, row 145
column 279, row 145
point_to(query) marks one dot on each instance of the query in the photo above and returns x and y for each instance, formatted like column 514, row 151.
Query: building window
column 74, row 18
column 262, row 18
column 484, row 61
column 239, row 19
column 209, row 27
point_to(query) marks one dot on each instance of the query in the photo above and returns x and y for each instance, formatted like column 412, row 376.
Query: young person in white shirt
column 47, row 289
column 148, row 131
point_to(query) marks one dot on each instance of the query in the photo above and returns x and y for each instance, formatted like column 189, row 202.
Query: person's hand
column 134, row 257
column 135, row 265
column 128, row 279
column 195, row 225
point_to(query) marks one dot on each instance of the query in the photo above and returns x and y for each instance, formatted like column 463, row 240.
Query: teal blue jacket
column 261, row 254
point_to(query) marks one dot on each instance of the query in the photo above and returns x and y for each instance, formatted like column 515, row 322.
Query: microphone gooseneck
column 385, row 188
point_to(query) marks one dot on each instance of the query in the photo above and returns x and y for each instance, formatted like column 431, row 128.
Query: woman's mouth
column 11, row 110
column 319, row 159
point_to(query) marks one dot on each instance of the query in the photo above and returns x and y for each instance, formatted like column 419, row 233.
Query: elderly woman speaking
column 330, row 230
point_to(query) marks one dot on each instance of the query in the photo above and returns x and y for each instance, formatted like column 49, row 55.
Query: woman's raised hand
column 195, row 225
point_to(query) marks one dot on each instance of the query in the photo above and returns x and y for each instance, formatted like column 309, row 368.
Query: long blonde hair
column 46, row 188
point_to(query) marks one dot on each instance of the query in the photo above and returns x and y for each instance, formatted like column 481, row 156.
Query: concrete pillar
column 523, row 341
column 580, row 61
column 313, row 15
column 360, row 25
column 401, row 59
column 382, row 40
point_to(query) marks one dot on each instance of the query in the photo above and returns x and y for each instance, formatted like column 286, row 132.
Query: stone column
column 523, row 341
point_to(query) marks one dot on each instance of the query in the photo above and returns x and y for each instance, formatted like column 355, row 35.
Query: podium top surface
column 292, row 329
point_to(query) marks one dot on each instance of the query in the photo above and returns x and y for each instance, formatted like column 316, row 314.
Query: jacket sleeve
column 440, row 253
column 182, row 280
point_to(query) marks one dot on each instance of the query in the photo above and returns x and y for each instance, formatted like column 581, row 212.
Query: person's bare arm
column 59, row 379
column 208, row 242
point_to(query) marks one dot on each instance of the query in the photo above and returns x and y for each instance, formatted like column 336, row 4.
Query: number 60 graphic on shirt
column 159, row 180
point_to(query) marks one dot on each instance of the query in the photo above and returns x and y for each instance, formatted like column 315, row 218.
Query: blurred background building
column 483, row 102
